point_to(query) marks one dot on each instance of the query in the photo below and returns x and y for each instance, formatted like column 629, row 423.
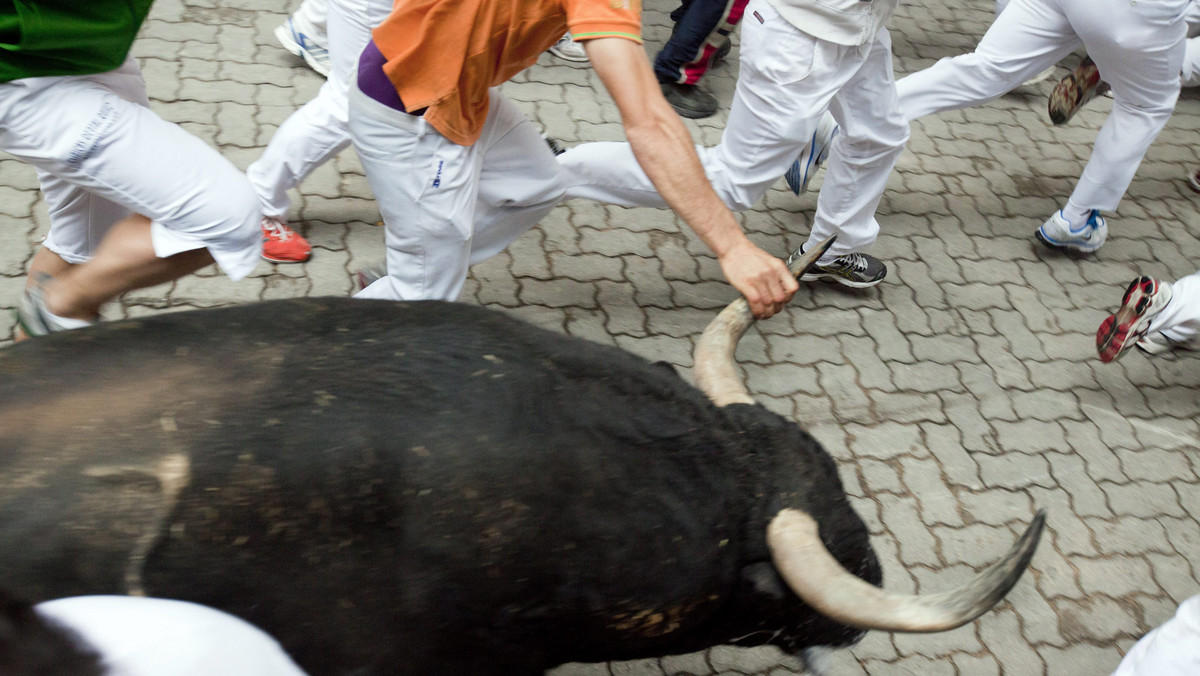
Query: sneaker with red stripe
column 281, row 244
column 1145, row 297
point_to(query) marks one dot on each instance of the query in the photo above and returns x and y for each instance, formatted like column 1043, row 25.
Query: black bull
column 425, row 488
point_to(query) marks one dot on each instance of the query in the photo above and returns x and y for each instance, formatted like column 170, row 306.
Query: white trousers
column 1138, row 47
column 1180, row 320
column 447, row 206
column 1191, row 57
column 101, row 154
column 1172, row 649
column 788, row 79
column 318, row 130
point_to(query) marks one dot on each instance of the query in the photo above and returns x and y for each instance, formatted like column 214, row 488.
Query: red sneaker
column 1145, row 297
column 281, row 244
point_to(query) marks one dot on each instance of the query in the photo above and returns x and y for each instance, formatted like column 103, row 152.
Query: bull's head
column 800, row 557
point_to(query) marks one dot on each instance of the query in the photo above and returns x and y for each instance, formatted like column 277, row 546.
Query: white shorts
column 101, row 154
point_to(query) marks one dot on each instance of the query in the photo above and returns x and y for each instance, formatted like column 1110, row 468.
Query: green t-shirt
column 66, row 37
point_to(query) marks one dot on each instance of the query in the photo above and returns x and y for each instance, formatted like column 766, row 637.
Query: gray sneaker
column 856, row 270
column 33, row 317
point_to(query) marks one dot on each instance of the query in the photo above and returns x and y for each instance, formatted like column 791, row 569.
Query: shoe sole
column 571, row 58
column 1194, row 183
column 285, row 260
column 693, row 114
column 834, row 277
column 1122, row 330
column 1068, row 248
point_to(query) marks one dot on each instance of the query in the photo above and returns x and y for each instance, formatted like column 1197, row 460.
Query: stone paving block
column 780, row 380
column 1070, row 473
column 963, row 412
column 1000, row 631
column 1056, row 575
column 1097, row 619
column 1174, row 575
column 901, row 517
column 1143, row 499
column 1156, row 465
column 881, row 476
column 1071, row 535
column 938, row 504
column 925, row 377
column 1080, row 659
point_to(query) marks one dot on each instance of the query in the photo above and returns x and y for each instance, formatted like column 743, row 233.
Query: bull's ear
column 762, row 581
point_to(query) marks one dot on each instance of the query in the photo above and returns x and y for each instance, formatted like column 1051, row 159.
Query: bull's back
column 336, row 469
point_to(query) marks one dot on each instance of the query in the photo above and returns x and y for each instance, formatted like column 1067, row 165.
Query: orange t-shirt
column 443, row 55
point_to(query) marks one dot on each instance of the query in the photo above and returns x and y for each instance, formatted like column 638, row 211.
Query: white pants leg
column 873, row 134
column 1191, row 57
column 1137, row 47
column 1172, row 649
column 319, row 130
column 1139, row 50
column 311, row 19
column 83, row 132
column 1180, row 320
column 788, row 79
column 1027, row 38
column 446, row 206
column 79, row 219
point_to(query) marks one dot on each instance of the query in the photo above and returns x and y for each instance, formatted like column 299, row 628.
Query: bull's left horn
column 715, row 369
column 820, row 581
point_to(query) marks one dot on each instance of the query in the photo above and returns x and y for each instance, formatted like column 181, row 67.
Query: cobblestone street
column 958, row 396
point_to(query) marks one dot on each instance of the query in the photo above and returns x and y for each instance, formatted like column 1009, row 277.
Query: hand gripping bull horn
column 801, row 558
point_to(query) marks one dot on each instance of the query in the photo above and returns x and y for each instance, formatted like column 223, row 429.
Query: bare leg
column 125, row 260
column 46, row 262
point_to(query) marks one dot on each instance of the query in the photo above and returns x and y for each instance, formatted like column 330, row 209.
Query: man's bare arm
column 664, row 148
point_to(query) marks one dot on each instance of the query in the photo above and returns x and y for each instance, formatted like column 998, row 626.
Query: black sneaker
column 555, row 146
column 689, row 100
column 857, row 270
column 722, row 51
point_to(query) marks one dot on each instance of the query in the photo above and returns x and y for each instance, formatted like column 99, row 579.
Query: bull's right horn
column 820, row 581
column 715, row 369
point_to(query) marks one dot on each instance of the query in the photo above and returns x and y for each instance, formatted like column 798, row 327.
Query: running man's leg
column 1027, row 38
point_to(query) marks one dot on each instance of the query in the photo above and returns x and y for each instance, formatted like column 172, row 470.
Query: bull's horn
column 821, row 582
column 715, row 370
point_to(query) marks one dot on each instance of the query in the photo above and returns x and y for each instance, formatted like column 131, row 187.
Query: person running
column 1139, row 47
column 1155, row 317
column 134, row 200
column 459, row 172
column 799, row 59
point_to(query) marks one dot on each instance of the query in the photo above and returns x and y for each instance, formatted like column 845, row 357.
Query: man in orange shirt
column 459, row 172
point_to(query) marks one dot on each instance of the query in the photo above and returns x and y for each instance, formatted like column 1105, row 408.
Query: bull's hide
column 424, row 488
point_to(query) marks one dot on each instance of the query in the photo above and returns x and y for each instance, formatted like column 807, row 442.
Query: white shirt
column 844, row 22
column 156, row 637
column 1172, row 649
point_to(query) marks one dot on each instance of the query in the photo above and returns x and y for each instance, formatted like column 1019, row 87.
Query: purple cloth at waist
column 373, row 82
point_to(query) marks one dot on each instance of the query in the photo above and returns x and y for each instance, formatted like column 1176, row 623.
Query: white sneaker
column 568, row 50
column 1057, row 233
column 304, row 45
column 814, row 154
